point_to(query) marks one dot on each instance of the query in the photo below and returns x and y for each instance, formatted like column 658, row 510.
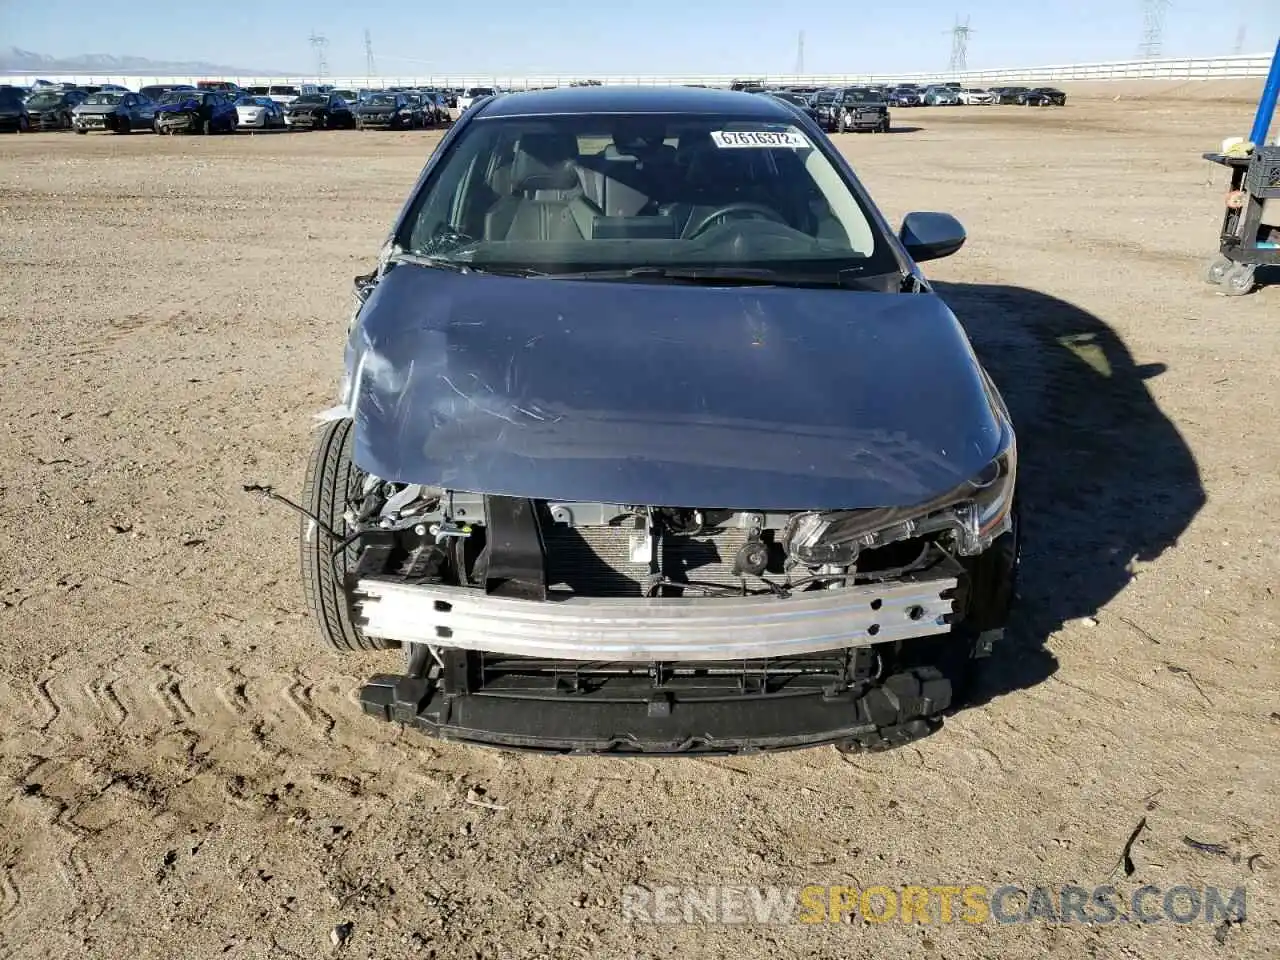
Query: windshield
column 45, row 100
column 285, row 91
column 382, row 99
column 859, row 96
column 104, row 98
column 312, row 98
column 480, row 92
column 178, row 96
column 791, row 98
column 589, row 192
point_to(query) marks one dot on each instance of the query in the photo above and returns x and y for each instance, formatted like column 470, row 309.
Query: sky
column 675, row 37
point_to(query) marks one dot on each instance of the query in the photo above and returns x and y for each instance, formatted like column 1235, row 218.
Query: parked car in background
column 385, row 111
column 1043, row 97
column 259, row 113
column 285, row 93
column 975, row 95
column 939, row 96
column 1010, row 94
column 471, row 94
column 905, row 96
column 228, row 88
column 435, row 107
column 195, row 111
column 51, row 110
column 417, row 107
column 158, row 90
column 858, row 109
column 795, row 99
column 319, row 111
column 13, row 111
column 117, row 112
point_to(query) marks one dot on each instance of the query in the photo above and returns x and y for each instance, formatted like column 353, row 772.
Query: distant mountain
column 13, row 60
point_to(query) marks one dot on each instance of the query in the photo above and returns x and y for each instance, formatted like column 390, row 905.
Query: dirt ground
column 183, row 772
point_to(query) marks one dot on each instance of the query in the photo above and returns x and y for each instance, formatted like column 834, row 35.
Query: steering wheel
column 751, row 210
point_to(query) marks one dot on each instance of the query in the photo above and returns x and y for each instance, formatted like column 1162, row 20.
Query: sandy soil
column 183, row 772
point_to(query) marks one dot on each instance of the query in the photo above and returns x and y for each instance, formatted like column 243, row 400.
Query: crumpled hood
column 97, row 109
column 182, row 106
column 673, row 395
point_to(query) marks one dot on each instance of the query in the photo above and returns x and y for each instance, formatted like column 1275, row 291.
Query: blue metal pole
column 1267, row 105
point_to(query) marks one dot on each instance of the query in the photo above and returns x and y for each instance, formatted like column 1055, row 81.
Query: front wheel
column 332, row 480
column 1217, row 269
column 1239, row 280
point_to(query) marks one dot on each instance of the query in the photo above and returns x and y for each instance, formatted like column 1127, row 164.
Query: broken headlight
column 978, row 511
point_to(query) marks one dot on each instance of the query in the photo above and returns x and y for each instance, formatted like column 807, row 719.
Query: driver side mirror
column 931, row 236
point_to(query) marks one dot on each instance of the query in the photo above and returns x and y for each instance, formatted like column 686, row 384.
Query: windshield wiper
column 459, row 266
column 725, row 276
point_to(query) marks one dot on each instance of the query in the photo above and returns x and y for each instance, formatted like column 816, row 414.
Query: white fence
column 1185, row 68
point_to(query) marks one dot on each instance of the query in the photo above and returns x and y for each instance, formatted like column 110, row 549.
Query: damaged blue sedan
column 654, row 439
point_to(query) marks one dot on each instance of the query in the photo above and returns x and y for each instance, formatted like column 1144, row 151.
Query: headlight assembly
column 977, row 511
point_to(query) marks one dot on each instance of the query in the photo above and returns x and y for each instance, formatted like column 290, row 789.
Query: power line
column 1153, row 12
column 960, row 45
column 318, row 43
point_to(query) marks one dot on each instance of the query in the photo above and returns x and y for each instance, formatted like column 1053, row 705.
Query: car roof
column 693, row 100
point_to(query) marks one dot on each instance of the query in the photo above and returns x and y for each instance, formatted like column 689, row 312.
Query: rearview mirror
column 930, row 236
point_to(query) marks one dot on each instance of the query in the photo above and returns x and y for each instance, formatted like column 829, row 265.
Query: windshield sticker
column 760, row 139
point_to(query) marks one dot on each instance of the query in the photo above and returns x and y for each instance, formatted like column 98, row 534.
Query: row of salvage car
column 865, row 107
column 187, row 109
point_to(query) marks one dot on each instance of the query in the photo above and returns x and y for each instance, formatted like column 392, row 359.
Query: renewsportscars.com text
column 936, row 904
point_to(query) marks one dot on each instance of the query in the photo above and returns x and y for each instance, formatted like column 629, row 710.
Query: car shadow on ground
column 896, row 128
column 1105, row 478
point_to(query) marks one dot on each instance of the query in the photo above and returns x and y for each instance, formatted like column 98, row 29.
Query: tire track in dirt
column 44, row 697
column 10, row 895
column 300, row 694
column 168, row 693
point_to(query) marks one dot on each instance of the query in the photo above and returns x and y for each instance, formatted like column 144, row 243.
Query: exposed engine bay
column 537, row 550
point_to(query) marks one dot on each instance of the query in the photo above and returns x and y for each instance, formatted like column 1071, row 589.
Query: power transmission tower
column 799, row 71
column 1153, row 28
column 318, row 43
column 1241, row 34
column 369, row 67
column 960, row 45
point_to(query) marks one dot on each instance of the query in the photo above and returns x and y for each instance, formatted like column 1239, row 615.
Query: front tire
column 1239, row 280
column 1217, row 269
column 331, row 478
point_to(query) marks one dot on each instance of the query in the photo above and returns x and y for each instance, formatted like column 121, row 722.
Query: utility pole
column 318, row 43
column 959, row 45
column 369, row 68
column 799, row 71
column 1152, row 44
